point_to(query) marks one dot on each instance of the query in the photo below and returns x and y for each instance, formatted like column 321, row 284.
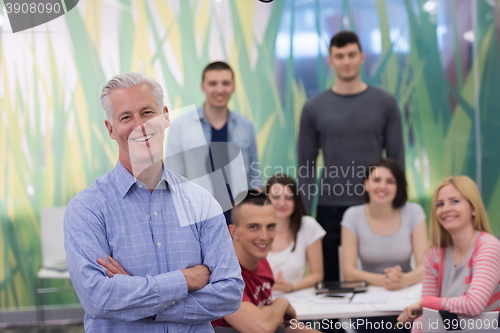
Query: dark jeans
column 330, row 217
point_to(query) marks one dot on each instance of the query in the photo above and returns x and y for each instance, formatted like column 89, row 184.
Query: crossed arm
column 248, row 319
column 171, row 296
column 196, row 277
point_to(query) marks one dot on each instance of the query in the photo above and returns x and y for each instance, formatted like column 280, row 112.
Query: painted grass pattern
column 53, row 142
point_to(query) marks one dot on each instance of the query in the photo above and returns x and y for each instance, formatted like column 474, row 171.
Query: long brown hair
column 468, row 189
column 299, row 209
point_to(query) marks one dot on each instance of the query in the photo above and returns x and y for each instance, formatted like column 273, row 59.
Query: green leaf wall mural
column 442, row 68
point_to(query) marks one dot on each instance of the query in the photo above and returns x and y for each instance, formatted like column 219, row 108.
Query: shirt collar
column 124, row 180
column 201, row 113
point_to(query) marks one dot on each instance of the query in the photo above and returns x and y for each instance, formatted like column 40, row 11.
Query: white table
column 391, row 303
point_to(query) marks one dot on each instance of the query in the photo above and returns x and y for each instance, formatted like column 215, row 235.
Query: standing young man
column 352, row 123
column 223, row 131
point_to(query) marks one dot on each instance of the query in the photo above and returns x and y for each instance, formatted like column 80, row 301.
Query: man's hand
column 196, row 277
column 393, row 278
column 112, row 267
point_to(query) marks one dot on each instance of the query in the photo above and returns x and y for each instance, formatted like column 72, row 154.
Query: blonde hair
column 468, row 189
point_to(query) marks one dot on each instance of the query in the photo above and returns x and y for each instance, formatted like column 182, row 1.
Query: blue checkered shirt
column 153, row 236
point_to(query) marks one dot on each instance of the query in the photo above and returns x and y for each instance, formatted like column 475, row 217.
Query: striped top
column 380, row 252
column 481, row 279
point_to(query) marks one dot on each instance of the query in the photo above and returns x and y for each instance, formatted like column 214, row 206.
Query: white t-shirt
column 293, row 264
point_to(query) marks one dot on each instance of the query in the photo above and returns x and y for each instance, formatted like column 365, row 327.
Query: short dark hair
column 343, row 38
column 253, row 197
column 216, row 66
column 399, row 175
column 299, row 210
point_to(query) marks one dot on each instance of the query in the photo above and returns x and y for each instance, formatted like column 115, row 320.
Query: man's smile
column 142, row 138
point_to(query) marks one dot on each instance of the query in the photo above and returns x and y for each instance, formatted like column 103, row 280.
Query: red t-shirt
column 258, row 284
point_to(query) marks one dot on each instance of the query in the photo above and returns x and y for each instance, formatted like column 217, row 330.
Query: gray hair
column 128, row 80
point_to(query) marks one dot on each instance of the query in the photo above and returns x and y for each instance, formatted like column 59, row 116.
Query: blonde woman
column 462, row 269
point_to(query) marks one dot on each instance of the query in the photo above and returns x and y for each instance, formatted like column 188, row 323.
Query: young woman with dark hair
column 385, row 232
column 297, row 241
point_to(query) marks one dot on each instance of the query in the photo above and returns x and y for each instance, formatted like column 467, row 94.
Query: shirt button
column 165, row 306
column 172, row 303
column 155, row 213
column 140, row 186
column 158, row 244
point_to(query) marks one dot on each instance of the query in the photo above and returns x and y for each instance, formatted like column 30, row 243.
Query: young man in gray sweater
column 352, row 123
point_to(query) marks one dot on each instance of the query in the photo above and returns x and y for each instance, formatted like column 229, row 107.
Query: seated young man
column 253, row 231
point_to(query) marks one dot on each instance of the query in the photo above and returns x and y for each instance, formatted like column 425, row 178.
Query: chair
column 53, row 255
column 52, row 240
column 438, row 321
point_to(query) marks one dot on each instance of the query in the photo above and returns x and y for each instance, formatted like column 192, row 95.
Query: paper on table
column 304, row 295
column 396, row 305
column 392, row 305
column 370, row 297
column 390, row 300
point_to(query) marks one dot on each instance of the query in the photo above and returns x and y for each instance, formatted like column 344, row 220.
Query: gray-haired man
column 178, row 269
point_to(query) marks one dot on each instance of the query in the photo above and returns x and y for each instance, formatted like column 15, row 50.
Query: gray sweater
column 352, row 131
